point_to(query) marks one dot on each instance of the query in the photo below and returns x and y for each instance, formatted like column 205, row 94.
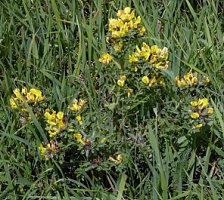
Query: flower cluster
column 77, row 105
column 200, row 111
column 79, row 138
column 154, row 55
column 20, row 98
column 55, row 122
column 121, row 81
column 118, row 46
column 153, row 80
column 137, row 62
column 190, row 79
column 106, row 58
column 117, row 160
column 126, row 24
column 48, row 150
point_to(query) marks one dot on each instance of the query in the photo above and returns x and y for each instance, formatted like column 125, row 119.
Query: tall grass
column 55, row 45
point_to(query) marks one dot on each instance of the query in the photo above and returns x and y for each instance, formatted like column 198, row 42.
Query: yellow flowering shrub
column 135, row 66
column 133, row 92
column 126, row 24
column 142, row 80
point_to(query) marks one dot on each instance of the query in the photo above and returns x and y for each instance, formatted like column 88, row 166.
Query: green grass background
column 54, row 44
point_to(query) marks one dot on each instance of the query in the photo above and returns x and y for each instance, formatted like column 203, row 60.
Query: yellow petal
column 195, row 115
column 145, row 80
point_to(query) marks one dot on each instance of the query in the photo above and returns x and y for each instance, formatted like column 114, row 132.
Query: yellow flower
column 164, row 53
column 202, row 103
column 187, row 77
column 206, row 80
column 134, row 69
column 119, row 34
column 161, row 65
column 134, row 57
column 195, row 115
column 24, row 110
column 113, row 24
column 118, row 160
column 33, row 95
column 123, row 77
column 126, row 22
column 79, row 119
column 24, row 91
column 181, row 83
column 48, row 150
column 52, row 133
column 118, row 47
column 81, row 103
column 78, row 137
column 76, row 105
column 12, row 103
column 210, row 110
column 18, row 95
column 55, row 122
column 155, row 49
column 145, row 80
column 142, row 31
column 60, row 124
column 137, row 21
column 121, row 81
column 194, row 80
column 118, row 28
column 42, row 150
column 103, row 140
column 106, row 58
column 126, row 14
column 197, row 126
column 133, row 24
column 145, row 51
column 129, row 92
column 30, row 97
column 161, row 82
column 194, row 103
column 50, row 117
column 153, row 81
column 36, row 95
column 60, row 115
column 153, row 59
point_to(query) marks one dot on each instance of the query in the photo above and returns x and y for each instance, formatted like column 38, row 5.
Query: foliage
column 111, row 99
